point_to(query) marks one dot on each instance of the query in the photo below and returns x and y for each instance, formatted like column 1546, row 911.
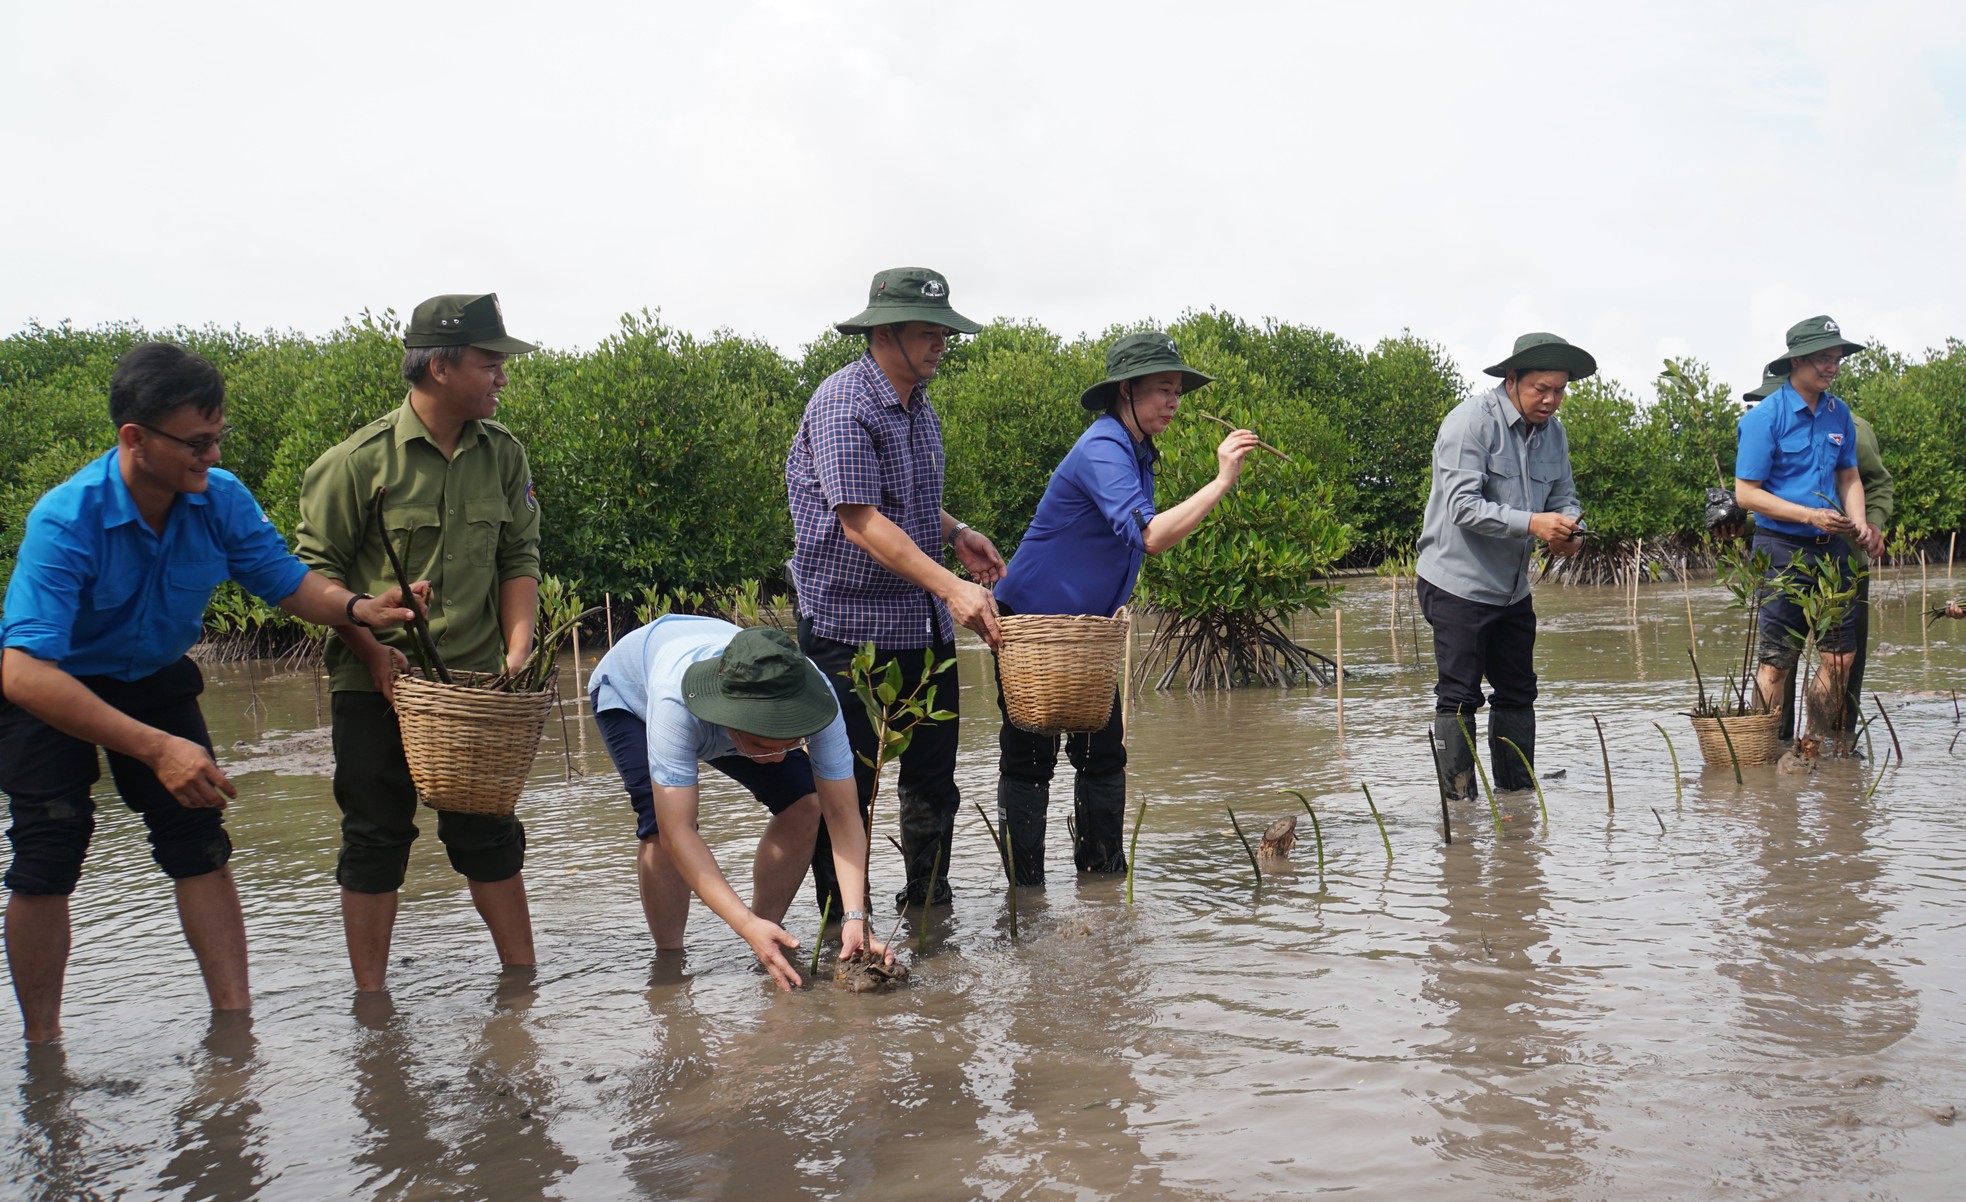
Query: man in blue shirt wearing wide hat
column 108, row 593
column 1795, row 468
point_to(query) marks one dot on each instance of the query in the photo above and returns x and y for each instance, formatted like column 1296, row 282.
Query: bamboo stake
column 1259, row 442
column 579, row 690
column 1338, row 617
column 1924, row 597
column 607, row 604
column 1686, row 586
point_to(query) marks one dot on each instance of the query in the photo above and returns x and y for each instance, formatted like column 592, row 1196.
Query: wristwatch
column 854, row 916
column 957, row 532
column 353, row 598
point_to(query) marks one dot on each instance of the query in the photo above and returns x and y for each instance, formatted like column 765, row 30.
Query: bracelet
column 957, row 533
column 854, row 916
column 352, row 599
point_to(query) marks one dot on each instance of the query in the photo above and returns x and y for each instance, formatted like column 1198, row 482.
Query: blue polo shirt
column 98, row 592
column 1083, row 551
column 1795, row 453
column 643, row 674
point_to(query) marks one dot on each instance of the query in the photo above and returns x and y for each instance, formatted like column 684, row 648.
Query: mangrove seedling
column 1530, row 768
column 1317, row 833
column 1896, row 747
column 1133, row 848
column 825, row 916
column 1678, row 790
column 1383, row 837
column 1003, row 855
column 893, row 714
column 1482, row 768
column 1246, row 849
column 1610, row 802
column 1440, row 782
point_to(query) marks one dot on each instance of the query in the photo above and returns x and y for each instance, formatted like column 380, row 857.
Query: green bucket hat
column 762, row 686
column 1140, row 354
column 1771, row 383
column 1818, row 333
column 907, row 294
column 1546, row 352
column 463, row 320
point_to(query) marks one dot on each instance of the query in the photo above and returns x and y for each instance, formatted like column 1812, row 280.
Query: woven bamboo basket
column 1060, row 670
column 470, row 749
column 1754, row 735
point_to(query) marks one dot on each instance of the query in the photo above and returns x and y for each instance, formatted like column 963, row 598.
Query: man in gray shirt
column 1501, row 483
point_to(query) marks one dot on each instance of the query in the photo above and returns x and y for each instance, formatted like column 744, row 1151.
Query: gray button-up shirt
column 1492, row 472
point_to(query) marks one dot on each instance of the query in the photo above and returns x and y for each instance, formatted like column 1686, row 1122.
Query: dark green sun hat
column 1546, row 352
column 462, row 319
column 907, row 294
column 1140, row 354
column 1805, row 338
column 1771, row 383
column 762, row 686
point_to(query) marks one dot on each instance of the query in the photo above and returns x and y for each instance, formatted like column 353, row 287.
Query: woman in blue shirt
column 1082, row 555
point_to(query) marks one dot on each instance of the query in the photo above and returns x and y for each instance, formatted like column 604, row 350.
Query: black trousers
column 1472, row 641
column 928, row 766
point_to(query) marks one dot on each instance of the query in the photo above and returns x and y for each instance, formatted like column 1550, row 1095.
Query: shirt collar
column 410, row 426
column 119, row 507
column 1511, row 415
column 1144, row 450
column 884, row 387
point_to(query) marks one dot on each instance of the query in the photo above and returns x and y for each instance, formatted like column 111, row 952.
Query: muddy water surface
column 1762, row 999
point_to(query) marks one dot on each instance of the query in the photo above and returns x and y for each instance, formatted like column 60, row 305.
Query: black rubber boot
column 1519, row 727
column 1457, row 766
column 1099, row 807
column 926, row 837
column 1021, row 821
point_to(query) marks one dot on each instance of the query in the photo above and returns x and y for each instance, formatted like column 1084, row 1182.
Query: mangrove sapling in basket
column 1824, row 596
column 1732, row 722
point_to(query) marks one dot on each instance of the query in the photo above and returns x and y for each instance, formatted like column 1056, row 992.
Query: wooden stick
column 1338, row 617
column 1259, row 442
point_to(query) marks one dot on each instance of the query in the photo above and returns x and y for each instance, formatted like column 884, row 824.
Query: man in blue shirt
column 108, row 593
column 1081, row 555
column 1795, row 468
column 687, row 690
column 864, row 482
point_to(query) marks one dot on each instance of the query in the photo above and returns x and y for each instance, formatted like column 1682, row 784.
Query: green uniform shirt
column 1879, row 497
column 465, row 524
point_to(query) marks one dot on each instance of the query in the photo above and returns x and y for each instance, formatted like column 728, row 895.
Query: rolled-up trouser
column 47, row 776
column 1473, row 640
column 928, row 768
column 372, row 786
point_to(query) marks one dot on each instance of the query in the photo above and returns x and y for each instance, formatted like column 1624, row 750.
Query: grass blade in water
column 1533, row 778
column 1383, row 837
column 1482, row 770
column 1133, row 848
column 1678, row 791
column 1246, row 849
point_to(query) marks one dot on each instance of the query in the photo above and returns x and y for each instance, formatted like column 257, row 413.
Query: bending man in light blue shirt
column 687, row 690
column 108, row 593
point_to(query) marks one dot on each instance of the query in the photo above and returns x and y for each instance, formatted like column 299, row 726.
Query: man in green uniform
column 1879, row 500
column 460, row 510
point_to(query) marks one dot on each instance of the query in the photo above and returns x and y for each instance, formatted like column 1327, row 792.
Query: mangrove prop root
column 1230, row 651
column 1610, row 801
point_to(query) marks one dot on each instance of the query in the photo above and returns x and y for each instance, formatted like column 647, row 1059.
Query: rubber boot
column 1099, row 806
column 1519, row 727
column 926, row 837
column 1457, row 766
column 1020, row 820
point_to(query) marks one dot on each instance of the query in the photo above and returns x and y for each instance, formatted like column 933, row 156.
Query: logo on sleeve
column 1837, row 439
column 532, row 500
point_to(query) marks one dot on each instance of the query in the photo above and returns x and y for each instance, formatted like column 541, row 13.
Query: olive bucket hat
column 1805, row 338
column 1140, row 354
column 762, row 686
column 907, row 294
column 461, row 319
column 1546, row 352
column 1771, row 383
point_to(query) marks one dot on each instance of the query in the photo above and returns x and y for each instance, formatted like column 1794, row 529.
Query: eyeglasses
column 1825, row 360
column 197, row 446
column 773, row 754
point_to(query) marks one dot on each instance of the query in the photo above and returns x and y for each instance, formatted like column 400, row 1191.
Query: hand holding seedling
column 853, row 939
column 380, row 613
column 1560, row 532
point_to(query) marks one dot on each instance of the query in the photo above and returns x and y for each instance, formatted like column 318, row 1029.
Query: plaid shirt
column 858, row 445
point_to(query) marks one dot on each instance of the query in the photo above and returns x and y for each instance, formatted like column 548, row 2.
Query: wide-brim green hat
column 1771, row 383
column 907, row 294
column 1807, row 337
column 1546, row 352
column 762, row 686
column 1140, row 354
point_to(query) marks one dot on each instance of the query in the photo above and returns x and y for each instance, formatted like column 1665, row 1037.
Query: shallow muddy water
column 1744, row 992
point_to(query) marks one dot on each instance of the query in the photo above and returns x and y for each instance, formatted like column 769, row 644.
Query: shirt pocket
column 484, row 520
column 417, row 534
column 1543, row 477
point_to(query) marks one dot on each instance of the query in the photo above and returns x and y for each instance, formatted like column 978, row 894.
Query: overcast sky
column 1646, row 179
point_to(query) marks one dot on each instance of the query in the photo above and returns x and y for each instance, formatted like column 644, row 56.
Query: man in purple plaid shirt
column 864, row 478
